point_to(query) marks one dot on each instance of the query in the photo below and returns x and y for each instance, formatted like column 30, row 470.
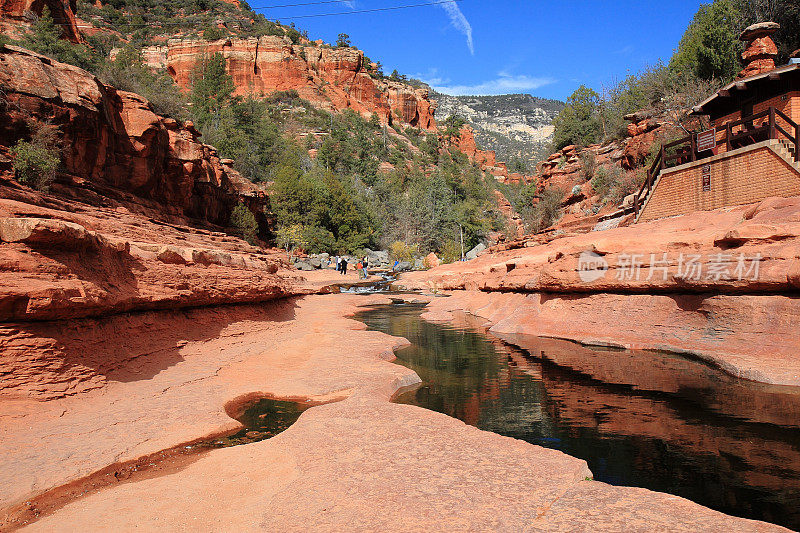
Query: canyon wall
column 114, row 146
column 133, row 224
column 486, row 159
column 333, row 79
column 16, row 15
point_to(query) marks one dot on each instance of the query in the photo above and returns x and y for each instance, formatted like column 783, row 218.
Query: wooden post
column 772, row 134
column 728, row 137
column 655, row 172
column 693, row 146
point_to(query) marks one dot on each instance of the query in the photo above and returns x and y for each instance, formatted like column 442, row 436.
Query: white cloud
column 459, row 22
column 432, row 77
column 504, row 83
column 349, row 3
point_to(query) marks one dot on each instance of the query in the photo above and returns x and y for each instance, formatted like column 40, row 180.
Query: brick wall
column 790, row 105
column 786, row 103
column 745, row 176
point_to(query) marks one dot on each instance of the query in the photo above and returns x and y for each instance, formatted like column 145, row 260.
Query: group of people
column 361, row 266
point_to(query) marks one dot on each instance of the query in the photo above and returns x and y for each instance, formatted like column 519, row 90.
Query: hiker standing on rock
column 343, row 268
column 364, row 265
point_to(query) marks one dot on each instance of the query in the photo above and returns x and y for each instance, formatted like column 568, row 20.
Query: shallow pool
column 639, row 418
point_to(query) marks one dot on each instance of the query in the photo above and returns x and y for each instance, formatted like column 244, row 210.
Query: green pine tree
column 44, row 37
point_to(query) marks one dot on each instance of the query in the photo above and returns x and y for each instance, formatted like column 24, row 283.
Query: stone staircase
column 786, row 150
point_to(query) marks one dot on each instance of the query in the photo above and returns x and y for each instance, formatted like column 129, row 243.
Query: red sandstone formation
column 16, row 15
column 330, row 78
column 486, row 159
column 114, row 145
column 760, row 51
column 643, row 132
column 431, row 260
column 742, row 323
column 72, row 260
column 466, row 144
column 116, row 236
column 302, row 350
column 512, row 217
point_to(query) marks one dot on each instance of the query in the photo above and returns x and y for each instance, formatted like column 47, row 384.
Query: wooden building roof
column 760, row 87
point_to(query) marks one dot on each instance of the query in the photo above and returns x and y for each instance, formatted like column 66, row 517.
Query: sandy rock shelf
column 744, row 323
column 359, row 463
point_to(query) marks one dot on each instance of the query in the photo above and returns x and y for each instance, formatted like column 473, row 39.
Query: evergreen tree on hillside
column 710, row 47
column 44, row 37
column 240, row 128
column 128, row 72
column 453, row 125
column 577, row 123
column 343, row 41
column 212, row 87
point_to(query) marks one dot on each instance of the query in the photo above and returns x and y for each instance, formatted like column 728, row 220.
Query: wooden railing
column 737, row 134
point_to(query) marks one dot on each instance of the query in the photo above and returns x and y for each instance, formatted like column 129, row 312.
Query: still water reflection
column 638, row 418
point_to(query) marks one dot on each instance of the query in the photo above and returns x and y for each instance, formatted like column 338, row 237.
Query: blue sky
column 543, row 48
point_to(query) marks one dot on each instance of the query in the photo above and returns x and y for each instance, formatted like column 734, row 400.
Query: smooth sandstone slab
column 362, row 463
column 752, row 337
column 366, row 465
column 743, row 321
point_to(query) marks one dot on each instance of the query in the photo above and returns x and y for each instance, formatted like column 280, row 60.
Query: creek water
column 262, row 419
column 369, row 287
column 639, row 418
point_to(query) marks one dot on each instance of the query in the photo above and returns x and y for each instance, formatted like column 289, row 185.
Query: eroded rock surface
column 360, row 463
column 721, row 285
column 330, row 78
column 136, row 222
column 115, row 149
column 18, row 14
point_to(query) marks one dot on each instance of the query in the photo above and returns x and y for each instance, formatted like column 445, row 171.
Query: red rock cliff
column 124, row 229
column 115, row 146
column 330, row 78
column 16, row 14
column 486, row 159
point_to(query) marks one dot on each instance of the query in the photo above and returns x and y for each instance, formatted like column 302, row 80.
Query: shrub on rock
column 36, row 160
column 243, row 220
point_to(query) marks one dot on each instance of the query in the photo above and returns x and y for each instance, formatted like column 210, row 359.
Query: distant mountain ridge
column 513, row 125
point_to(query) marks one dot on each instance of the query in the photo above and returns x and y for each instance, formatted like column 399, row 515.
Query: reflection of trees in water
column 460, row 368
column 675, row 426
